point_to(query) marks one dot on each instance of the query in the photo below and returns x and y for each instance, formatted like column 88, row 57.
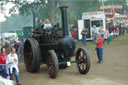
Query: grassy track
column 115, row 42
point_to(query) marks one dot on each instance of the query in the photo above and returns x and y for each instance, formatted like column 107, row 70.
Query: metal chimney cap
column 61, row 7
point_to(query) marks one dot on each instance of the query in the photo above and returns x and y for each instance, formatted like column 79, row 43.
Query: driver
column 40, row 26
column 39, row 23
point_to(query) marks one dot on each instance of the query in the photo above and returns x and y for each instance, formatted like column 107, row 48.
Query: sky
column 6, row 12
column 7, row 7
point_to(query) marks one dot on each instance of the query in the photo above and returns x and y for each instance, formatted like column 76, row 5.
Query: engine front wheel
column 83, row 59
column 52, row 64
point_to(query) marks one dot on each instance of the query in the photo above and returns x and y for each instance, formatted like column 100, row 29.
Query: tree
column 52, row 11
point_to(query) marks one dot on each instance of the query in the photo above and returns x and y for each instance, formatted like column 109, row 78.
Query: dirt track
column 114, row 70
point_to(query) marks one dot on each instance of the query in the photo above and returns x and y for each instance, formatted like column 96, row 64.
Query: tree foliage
column 51, row 9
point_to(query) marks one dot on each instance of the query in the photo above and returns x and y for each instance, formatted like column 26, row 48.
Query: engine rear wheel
column 52, row 64
column 83, row 59
column 32, row 55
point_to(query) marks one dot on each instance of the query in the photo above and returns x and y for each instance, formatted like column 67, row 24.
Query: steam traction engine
column 54, row 48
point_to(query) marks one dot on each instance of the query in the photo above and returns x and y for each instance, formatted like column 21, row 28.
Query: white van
column 89, row 19
column 10, row 36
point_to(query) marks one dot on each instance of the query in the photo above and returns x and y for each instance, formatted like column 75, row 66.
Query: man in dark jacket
column 16, row 46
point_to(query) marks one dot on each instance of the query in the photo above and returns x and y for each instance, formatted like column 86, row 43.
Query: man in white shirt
column 94, row 33
column 101, row 31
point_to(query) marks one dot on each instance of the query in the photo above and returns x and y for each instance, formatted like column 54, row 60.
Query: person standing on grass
column 127, row 29
column 120, row 29
column 12, row 63
column 117, row 32
column 84, row 33
column 110, row 29
column 101, row 31
column 106, row 36
column 94, row 33
column 99, row 48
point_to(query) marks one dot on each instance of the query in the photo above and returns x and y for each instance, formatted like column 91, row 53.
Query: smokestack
column 64, row 20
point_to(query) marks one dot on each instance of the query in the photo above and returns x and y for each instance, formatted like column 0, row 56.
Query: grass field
column 115, row 42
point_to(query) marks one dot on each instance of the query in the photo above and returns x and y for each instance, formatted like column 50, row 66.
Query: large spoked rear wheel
column 83, row 60
column 52, row 64
column 32, row 55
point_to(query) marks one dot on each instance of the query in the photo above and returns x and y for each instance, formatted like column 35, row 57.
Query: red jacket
column 3, row 58
column 99, row 42
column 116, row 30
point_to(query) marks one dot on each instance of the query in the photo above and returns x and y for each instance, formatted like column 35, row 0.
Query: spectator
column 21, row 49
column 117, row 32
column 74, row 33
column 84, row 33
column 3, row 57
column 16, row 46
column 12, row 62
column 113, row 28
column 127, row 29
column 94, row 33
column 123, row 29
column 11, row 43
column 106, row 36
column 0, row 47
column 99, row 48
column 110, row 29
column 7, row 47
column 120, row 29
column 101, row 31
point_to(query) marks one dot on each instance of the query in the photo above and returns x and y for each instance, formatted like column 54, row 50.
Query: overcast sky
column 6, row 12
